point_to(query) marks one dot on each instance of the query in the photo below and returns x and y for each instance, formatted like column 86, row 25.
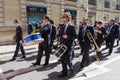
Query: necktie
column 65, row 28
column 109, row 28
column 84, row 28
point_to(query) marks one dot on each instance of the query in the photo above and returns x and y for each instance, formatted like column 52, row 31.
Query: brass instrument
column 92, row 40
column 14, row 38
column 96, row 33
column 107, row 33
column 35, row 31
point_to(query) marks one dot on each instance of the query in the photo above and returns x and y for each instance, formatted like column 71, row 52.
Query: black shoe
column 72, row 72
column 23, row 57
column 35, row 64
column 106, row 47
column 59, row 60
column 109, row 54
column 81, row 68
column 45, row 64
column 87, row 64
column 62, row 75
column 13, row 59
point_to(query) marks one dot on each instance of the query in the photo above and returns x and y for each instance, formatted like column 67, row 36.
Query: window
column 117, row 19
column 36, row 0
column 118, row 5
column 107, row 3
column 35, row 13
column 92, row 2
column 118, row 1
column 73, row 0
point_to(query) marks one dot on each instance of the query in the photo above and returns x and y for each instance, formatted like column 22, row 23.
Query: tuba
column 92, row 40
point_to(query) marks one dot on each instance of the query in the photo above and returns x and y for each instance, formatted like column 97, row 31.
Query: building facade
column 34, row 10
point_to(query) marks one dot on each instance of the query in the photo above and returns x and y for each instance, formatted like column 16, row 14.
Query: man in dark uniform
column 112, row 31
column 67, row 36
column 100, row 32
column 118, row 35
column 45, row 45
column 19, row 40
column 85, row 42
column 29, row 28
column 52, row 33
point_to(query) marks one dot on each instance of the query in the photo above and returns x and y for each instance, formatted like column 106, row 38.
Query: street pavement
column 106, row 69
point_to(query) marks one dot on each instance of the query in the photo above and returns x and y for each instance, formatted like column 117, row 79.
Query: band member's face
column 42, row 24
column 45, row 20
column 15, row 23
column 111, row 22
column 99, row 25
column 65, row 19
column 84, row 22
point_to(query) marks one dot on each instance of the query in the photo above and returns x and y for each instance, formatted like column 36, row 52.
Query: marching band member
column 85, row 42
column 67, row 35
column 19, row 41
column 112, row 33
column 52, row 33
column 29, row 28
column 105, row 36
column 99, row 31
column 45, row 45
column 118, row 35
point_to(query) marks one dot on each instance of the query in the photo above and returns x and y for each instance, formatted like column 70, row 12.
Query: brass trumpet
column 92, row 40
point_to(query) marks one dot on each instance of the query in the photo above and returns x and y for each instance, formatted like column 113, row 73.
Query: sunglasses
column 64, row 17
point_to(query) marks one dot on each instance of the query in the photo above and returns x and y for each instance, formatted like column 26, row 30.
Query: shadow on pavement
column 3, row 62
column 12, row 73
column 118, row 50
column 54, row 75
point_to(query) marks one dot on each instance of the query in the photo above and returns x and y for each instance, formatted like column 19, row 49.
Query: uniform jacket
column 19, row 33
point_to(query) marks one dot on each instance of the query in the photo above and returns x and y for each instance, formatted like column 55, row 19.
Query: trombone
column 92, row 40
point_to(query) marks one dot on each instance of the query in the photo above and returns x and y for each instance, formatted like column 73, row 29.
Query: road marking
column 0, row 70
column 90, row 71
column 94, row 70
column 54, row 61
column 1, row 75
column 110, row 61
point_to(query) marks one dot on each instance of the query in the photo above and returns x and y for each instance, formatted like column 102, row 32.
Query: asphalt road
column 106, row 69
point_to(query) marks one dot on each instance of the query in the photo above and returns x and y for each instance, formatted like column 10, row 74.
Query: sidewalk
column 10, row 48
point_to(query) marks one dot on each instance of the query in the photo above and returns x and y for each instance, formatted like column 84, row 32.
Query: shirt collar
column 18, row 25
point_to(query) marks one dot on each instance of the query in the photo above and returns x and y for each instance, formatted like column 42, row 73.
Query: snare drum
column 32, row 39
column 60, row 50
